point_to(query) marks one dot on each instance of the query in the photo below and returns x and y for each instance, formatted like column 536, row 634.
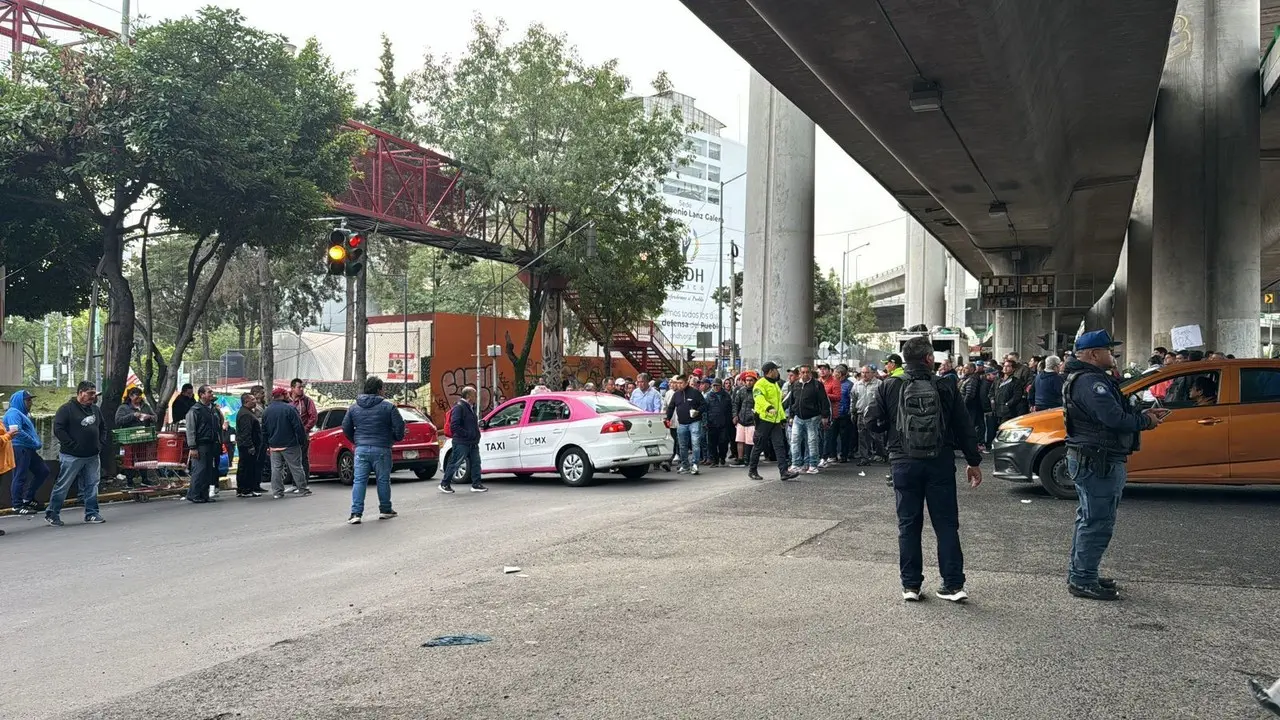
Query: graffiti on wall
column 487, row 397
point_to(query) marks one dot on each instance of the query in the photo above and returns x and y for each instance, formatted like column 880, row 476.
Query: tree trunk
column 520, row 361
column 121, row 315
column 349, row 331
column 361, row 364
column 197, row 296
column 266, row 325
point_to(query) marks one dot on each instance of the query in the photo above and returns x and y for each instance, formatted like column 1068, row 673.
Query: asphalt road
column 707, row 597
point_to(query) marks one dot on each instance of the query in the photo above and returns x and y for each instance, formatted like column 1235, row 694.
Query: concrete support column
column 1207, row 234
column 1137, row 264
column 956, row 278
column 1019, row 330
column 925, row 302
column 777, row 294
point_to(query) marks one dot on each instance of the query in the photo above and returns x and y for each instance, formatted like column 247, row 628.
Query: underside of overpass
column 1030, row 163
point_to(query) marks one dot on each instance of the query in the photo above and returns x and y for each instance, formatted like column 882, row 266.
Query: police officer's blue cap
column 1095, row 339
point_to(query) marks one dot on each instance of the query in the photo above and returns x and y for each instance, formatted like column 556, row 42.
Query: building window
column 713, row 151
column 713, row 173
column 693, row 170
column 685, row 190
column 697, row 146
column 713, row 195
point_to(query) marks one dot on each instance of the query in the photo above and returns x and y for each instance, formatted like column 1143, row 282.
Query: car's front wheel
column 575, row 468
column 346, row 467
column 1053, row 474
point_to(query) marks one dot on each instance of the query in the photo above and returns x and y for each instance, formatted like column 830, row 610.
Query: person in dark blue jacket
column 1047, row 388
column 373, row 425
column 465, row 428
column 282, row 427
column 26, row 455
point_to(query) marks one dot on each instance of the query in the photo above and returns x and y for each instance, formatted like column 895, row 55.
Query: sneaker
column 1108, row 583
column 1263, row 695
column 681, row 471
column 790, row 475
column 292, row 489
column 793, row 470
column 956, row 595
column 912, row 594
column 304, row 492
column 479, row 488
column 675, row 459
column 25, row 510
column 812, row 471
column 354, row 519
column 278, row 496
column 387, row 515
column 244, row 495
column 753, row 475
column 37, row 506
column 1093, row 592
column 446, row 489
column 694, row 471
column 824, row 463
column 53, row 521
column 94, row 519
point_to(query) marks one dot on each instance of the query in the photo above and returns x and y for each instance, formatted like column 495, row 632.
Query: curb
column 122, row 496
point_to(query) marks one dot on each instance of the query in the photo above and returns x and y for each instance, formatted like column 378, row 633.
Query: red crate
column 139, row 456
column 172, row 450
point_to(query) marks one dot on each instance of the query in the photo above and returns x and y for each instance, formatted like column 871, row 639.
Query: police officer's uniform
column 1102, row 431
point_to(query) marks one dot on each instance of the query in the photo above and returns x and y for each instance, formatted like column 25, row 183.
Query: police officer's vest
column 1083, row 428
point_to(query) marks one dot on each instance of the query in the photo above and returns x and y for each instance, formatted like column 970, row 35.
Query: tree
column 623, row 286
column 859, row 316
column 721, row 295
column 441, row 281
column 217, row 127
column 549, row 144
column 48, row 248
column 390, row 111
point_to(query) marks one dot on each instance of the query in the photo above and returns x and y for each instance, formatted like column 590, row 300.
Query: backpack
column 448, row 429
column 920, row 418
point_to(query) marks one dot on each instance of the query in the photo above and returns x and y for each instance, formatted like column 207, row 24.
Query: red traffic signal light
column 356, row 241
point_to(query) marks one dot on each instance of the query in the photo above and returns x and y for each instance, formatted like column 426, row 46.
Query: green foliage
column 859, row 316
column 390, row 111
column 440, row 281
column 721, row 295
column 48, row 247
column 549, row 142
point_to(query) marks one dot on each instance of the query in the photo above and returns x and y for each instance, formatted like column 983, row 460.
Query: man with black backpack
column 925, row 423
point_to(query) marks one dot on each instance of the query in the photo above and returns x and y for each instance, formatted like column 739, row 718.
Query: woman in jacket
column 1010, row 395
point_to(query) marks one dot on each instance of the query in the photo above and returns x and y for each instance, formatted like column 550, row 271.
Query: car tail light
column 616, row 426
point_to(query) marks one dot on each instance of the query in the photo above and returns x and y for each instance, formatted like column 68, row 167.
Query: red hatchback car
column 333, row 455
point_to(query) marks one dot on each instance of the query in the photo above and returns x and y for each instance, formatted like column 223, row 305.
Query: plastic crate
column 134, row 435
column 138, row 456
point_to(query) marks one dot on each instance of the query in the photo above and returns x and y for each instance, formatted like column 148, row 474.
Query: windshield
column 608, row 404
column 411, row 416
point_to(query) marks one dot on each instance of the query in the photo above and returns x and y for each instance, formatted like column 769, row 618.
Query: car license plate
column 410, row 454
column 653, row 450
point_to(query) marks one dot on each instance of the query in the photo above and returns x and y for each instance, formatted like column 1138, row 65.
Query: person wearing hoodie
column 719, row 422
column 373, row 424
column 26, row 455
column 81, row 434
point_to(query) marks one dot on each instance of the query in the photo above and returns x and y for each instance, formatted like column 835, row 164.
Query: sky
column 645, row 36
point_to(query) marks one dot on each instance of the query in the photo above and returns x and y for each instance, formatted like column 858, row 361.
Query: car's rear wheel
column 1053, row 474
column 425, row 473
column 575, row 468
column 634, row 472
column 346, row 467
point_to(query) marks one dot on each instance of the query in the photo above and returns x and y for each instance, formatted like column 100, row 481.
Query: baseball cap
column 663, row 385
column 620, row 382
column 1095, row 339
column 765, row 368
column 895, row 358
column 697, row 372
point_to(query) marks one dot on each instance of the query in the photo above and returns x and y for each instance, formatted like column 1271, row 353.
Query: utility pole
column 349, row 329
column 362, row 324
column 720, row 267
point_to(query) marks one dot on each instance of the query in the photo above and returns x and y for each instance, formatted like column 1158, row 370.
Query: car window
column 603, row 404
column 321, row 418
column 507, row 416
column 1189, row 389
column 410, row 415
column 548, row 411
column 1259, row 385
column 335, row 418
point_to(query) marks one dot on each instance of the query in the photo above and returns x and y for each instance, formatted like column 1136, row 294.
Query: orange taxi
column 1221, row 430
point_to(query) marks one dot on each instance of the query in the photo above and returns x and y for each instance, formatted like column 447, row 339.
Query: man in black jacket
column 182, row 403
column 922, row 437
column 687, row 405
column 719, row 422
column 744, row 417
column 249, row 444
column 204, row 443
column 81, row 434
column 811, row 410
column 373, row 425
column 464, row 426
column 284, row 437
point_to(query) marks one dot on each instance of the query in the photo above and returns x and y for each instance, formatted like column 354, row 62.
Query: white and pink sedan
column 572, row 434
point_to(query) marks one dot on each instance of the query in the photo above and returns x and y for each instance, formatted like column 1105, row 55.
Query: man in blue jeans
column 811, row 409
column 1102, row 431
column 687, row 404
column 82, row 435
column 373, row 425
column 26, row 455
column 925, row 423
column 464, row 428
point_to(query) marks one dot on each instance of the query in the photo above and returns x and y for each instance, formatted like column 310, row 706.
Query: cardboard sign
column 1186, row 337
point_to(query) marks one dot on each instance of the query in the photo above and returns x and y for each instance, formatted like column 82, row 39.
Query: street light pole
column 720, row 268
column 844, row 284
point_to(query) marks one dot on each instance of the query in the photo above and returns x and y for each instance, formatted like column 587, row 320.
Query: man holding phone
column 1102, row 432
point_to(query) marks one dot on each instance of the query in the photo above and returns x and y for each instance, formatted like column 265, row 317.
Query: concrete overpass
column 1015, row 134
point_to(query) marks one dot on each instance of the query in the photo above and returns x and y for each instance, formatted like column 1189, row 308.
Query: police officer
column 1102, row 431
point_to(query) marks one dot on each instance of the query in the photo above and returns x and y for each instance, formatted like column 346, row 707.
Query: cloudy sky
column 645, row 36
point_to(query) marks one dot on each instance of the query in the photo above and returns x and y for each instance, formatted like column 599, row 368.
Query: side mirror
column 484, row 424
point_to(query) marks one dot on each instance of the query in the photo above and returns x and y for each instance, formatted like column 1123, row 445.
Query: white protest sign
column 1186, row 336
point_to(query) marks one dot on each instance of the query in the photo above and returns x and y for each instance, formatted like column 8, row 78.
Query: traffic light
column 345, row 255
column 688, row 354
column 336, row 256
